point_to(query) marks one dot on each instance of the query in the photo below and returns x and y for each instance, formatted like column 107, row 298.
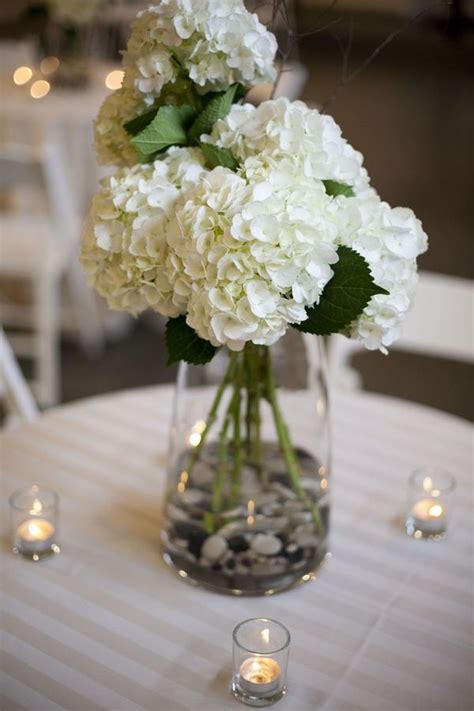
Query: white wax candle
column 428, row 515
column 260, row 676
column 35, row 535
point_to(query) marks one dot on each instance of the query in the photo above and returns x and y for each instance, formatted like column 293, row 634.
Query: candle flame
column 34, row 529
column 260, row 671
column 36, row 508
column 436, row 511
column 427, row 483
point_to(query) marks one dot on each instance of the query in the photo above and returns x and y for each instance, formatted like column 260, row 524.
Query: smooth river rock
column 214, row 548
column 266, row 544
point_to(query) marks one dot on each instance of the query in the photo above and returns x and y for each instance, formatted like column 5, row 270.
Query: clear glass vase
column 247, row 502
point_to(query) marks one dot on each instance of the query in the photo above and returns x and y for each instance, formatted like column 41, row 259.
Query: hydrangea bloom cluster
column 178, row 49
column 310, row 144
column 255, row 251
column 244, row 253
column 125, row 253
column 389, row 239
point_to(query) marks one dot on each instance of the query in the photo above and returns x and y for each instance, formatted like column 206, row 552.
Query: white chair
column 17, row 396
column 440, row 324
column 39, row 249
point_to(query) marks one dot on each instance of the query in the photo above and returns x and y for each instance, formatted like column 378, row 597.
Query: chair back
column 440, row 325
column 18, row 398
column 46, row 166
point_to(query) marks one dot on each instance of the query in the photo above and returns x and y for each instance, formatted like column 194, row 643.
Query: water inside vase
column 269, row 538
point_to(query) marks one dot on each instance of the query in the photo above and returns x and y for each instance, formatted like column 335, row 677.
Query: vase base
column 244, row 586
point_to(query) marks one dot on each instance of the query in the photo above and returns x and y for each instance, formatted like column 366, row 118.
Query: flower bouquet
column 239, row 223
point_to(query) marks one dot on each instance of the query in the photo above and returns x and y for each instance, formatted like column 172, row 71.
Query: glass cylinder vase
column 247, row 502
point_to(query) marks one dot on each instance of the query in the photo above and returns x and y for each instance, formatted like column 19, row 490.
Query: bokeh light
column 22, row 75
column 49, row 65
column 114, row 79
column 39, row 89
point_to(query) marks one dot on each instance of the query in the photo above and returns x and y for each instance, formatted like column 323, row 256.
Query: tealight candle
column 34, row 522
column 427, row 514
column 35, row 535
column 260, row 676
column 261, row 649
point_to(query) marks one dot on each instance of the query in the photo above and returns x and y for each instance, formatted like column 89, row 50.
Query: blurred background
column 396, row 75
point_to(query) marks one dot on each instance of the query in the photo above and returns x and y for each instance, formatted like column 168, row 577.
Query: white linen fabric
column 105, row 625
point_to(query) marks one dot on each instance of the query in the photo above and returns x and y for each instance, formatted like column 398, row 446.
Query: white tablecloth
column 105, row 625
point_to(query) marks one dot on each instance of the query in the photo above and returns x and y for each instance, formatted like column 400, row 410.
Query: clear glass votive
column 261, row 648
column 427, row 510
column 34, row 514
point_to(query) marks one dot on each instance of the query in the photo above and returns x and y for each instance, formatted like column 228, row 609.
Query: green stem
column 222, row 467
column 212, row 416
column 286, row 445
column 237, row 444
column 253, row 419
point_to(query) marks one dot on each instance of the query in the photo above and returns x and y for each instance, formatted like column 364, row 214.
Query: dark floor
column 410, row 113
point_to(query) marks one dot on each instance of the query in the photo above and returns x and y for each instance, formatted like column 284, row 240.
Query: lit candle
column 35, row 535
column 429, row 516
column 260, row 676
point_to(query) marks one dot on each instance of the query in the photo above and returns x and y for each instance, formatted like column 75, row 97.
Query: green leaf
column 168, row 128
column 334, row 188
column 215, row 156
column 137, row 124
column 345, row 297
column 184, row 344
column 217, row 108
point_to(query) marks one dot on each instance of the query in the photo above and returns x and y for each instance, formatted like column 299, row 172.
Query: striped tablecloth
column 385, row 627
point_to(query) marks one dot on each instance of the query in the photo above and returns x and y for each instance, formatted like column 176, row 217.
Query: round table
column 105, row 625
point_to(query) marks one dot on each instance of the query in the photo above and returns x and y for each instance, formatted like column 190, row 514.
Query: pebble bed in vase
column 268, row 541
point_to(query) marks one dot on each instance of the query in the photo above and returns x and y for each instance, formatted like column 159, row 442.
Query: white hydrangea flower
column 283, row 130
column 216, row 43
column 243, row 254
column 125, row 252
column 390, row 240
column 177, row 49
column 255, row 251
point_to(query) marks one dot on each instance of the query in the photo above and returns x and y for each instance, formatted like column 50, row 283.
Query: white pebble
column 176, row 514
column 265, row 544
column 192, row 497
column 214, row 547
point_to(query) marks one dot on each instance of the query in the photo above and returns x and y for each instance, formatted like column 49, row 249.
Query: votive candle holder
column 428, row 502
column 34, row 518
column 261, row 649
